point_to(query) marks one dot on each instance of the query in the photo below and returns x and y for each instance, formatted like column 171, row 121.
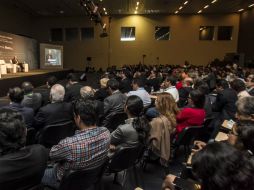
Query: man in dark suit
column 72, row 88
column 51, row 81
column 16, row 95
column 125, row 83
column 114, row 103
column 21, row 167
column 102, row 92
column 55, row 112
column 31, row 99
column 224, row 105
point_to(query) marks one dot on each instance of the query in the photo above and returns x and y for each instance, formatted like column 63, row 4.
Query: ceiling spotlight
column 180, row 8
column 136, row 8
column 136, row 12
column 104, row 9
column 214, row 1
column 61, row 12
column 137, row 3
column 205, row 7
column 106, row 13
column 252, row 5
column 176, row 12
column 240, row 10
column 186, row 2
column 200, row 11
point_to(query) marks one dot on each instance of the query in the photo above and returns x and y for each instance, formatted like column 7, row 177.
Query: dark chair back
column 124, row 158
column 116, row 120
column 30, row 136
column 82, row 179
column 52, row 134
column 188, row 135
column 187, row 138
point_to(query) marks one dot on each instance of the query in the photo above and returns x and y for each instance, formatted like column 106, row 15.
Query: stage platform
column 36, row 77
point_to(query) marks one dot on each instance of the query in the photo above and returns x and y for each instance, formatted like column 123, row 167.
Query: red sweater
column 189, row 117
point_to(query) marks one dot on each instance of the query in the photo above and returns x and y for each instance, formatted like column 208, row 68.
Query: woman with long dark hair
column 136, row 127
column 193, row 115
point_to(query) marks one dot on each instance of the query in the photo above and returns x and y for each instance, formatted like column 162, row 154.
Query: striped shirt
column 85, row 150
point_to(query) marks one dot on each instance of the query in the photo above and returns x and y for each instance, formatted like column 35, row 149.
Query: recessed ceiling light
column 186, row 2
column 176, row 12
column 205, row 7
column 104, row 9
column 180, row 8
column 137, row 3
column 214, row 1
column 106, row 13
column 240, row 10
column 136, row 8
column 200, row 11
column 136, row 12
column 252, row 5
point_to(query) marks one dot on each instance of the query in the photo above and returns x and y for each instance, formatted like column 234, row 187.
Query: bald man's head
column 87, row 92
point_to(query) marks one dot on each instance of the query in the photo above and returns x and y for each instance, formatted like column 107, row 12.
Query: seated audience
column 239, row 86
column 31, row 99
column 87, row 93
column 16, row 95
column 245, row 109
column 136, row 127
column 250, row 84
column 224, row 104
column 224, row 166
column 72, row 88
column 87, row 149
column 169, row 86
column 102, row 92
column 153, row 81
column 55, row 112
column 19, row 164
column 163, row 126
column 193, row 115
column 51, row 81
column 220, row 166
column 138, row 90
column 114, row 103
column 125, row 83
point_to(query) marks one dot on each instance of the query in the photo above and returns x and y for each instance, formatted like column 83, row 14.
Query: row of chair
column 13, row 68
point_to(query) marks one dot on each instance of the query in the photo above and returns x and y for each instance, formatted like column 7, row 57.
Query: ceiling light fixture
column 240, row 10
column 136, row 12
column 104, row 9
column 252, row 5
column 186, row 2
column 176, row 12
column 106, row 13
column 214, row 1
column 200, row 11
column 137, row 3
column 180, row 8
column 205, row 7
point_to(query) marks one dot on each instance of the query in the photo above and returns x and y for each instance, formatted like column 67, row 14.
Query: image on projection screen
column 52, row 57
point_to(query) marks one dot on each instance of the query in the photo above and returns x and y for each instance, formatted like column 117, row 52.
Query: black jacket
column 225, row 104
column 24, row 168
column 53, row 113
column 33, row 100
column 125, row 85
column 101, row 94
column 72, row 92
column 112, row 105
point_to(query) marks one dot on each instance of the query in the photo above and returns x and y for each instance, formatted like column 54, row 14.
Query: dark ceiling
column 113, row 7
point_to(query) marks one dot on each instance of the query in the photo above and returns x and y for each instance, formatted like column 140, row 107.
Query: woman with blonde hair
column 163, row 126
